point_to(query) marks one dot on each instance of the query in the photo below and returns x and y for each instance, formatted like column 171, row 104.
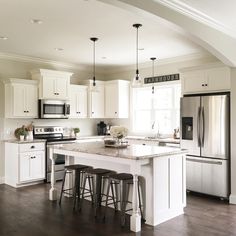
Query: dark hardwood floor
column 28, row 212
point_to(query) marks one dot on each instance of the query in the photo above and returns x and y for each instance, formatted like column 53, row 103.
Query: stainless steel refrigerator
column 205, row 133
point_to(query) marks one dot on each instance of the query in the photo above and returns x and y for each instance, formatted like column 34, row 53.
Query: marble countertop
column 134, row 151
column 25, row 141
column 164, row 140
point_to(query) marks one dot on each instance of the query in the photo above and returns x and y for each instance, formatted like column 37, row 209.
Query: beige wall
column 233, row 136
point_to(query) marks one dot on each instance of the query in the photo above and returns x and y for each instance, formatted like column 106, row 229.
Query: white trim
column 193, row 13
column 232, row 199
column 22, row 58
column 2, row 180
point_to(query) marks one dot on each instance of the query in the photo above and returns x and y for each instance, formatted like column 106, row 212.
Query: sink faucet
column 158, row 135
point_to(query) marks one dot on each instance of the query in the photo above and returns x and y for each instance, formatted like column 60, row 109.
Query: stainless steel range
column 53, row 135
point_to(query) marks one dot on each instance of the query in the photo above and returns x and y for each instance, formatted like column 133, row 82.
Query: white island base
column 162, row 171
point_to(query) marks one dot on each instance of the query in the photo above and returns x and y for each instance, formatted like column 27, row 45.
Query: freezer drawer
column 207, row 176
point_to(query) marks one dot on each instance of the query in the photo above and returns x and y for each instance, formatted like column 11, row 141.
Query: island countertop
column 134, row 151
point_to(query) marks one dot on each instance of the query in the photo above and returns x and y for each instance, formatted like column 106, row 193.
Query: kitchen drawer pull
column 32, row 147
column 33, row 157
column 205, row 161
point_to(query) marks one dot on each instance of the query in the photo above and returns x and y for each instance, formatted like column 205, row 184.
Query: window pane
column 177, row 96
column 163, row 98
column 163, row 121
column 143, row 98
column 142, row 121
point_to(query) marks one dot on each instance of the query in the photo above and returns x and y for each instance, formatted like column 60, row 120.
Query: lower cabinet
column 24, row 163
column 32, row 166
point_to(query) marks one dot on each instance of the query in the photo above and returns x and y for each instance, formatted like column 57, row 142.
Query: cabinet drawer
column 27, row 147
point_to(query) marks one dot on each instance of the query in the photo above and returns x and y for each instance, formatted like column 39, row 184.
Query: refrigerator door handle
column 198, row 127
column 203, row 127
column 205, row 161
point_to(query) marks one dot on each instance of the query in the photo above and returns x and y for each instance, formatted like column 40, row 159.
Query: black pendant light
column 137, row 81
column 153, row 59
column 94, row 63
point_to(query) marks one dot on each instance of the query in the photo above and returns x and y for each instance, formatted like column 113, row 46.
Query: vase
column 30, row 135
column 22, row 137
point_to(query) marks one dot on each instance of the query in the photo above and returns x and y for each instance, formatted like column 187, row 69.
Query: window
column 158, row 112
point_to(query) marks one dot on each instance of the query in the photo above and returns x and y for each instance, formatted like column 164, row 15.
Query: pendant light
column 153, row 59
column 94, row 63
column 137, row 81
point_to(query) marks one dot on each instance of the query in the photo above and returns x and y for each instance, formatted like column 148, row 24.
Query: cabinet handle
column 92, row 112
column 32, row 147
column 116, row 112
column 206, row 84
column 79, row 112
column 33, row 157
column 144, row 144
column 203, row 85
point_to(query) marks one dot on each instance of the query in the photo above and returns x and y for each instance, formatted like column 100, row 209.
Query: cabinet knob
column 79, row 112
column 116, row 112
column 203, row 85
column 32, row 147
column 33, row 157
column 92, row 112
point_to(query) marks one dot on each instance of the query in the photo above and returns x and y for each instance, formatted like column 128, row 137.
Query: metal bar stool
column 123, row 180
column 97, row 177
column 78, row 171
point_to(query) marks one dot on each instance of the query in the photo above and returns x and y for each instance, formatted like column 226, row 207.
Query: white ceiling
column 220, row 11
column 69, row 24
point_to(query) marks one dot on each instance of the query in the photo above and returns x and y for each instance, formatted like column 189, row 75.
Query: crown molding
column 197, row 15
column 188, row 57
column 22, row 58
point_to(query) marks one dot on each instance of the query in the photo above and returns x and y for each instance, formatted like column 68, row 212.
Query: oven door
column 54, row 109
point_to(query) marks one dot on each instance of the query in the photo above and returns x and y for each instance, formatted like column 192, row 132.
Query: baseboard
column 232, row 199
column 2, row 180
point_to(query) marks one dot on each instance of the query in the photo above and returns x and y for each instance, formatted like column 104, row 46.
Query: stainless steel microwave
column 53, row 109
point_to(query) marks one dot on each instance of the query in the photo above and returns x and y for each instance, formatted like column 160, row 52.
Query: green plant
column 76, row 130
column 22, row 131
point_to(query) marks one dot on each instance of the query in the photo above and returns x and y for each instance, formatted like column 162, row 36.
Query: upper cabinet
column 53, row 84
column 21, row 98
column 78, row 101
column 95, row 99
column 117, row 99
column 205, row 79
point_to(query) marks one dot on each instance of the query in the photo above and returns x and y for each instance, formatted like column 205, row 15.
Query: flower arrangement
column 118, row 132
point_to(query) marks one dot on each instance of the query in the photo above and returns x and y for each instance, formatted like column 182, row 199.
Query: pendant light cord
column 94, row 80
column 153, row 59
column 137, row 70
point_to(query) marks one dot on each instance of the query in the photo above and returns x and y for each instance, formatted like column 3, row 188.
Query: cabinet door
column 97, row 102
column 62, row 86
column 73, row 101
column 218, row 79
column 49, row 88
column 19, row 106
column 31, row 96
column 111, row 101
column 24, row 167
column 194, row 82
column 37, row 165
column 82, row 103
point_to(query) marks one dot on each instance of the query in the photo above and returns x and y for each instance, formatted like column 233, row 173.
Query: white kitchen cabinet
column 205, row 80
column 78, row 101
column 21, row 98
column 24, row 163
column 95, row 99
column 117, row 99
column 53, row 84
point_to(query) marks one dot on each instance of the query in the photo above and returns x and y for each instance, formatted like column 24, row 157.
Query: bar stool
column 123, row 180
column 98, row 178
column 79, row 171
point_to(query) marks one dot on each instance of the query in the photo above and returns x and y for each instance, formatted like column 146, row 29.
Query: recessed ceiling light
column 58, row 49
column 141, row 49
column 3, row 38
column 36, row 21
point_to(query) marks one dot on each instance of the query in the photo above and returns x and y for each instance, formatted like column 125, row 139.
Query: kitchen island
column 162, row 170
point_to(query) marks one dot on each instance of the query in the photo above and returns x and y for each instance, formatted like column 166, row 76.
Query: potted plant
column 21, row 133
column 76, row 131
